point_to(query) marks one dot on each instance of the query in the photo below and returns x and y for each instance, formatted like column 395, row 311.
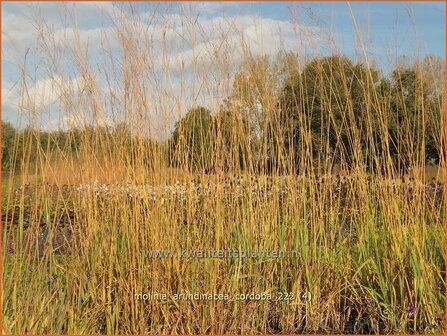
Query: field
column 310, row 199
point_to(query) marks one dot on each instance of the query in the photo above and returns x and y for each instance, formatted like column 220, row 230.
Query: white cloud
column 216, row 8
column 168, row 43
column 240, row 36
column 23, row 22
column 8, row 93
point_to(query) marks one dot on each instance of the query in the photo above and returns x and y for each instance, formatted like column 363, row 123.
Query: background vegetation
column 279, row 108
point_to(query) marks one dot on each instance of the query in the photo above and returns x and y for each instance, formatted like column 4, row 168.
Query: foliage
column 8, row 136
column 192, row 140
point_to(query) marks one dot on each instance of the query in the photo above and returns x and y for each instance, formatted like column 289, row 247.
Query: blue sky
column 388, row 29
column 395, row 28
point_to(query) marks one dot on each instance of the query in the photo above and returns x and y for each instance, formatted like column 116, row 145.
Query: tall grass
column 371, row 247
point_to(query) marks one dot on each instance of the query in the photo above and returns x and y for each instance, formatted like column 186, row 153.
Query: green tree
column 8, row 136
column 247, row 117
column 192, row 141
column 417, row 120
column 323, row 110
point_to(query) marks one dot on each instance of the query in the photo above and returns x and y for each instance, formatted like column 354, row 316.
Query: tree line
column 284, row 119
column 281, row 117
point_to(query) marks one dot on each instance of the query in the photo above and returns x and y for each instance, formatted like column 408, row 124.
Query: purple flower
column 411, row 310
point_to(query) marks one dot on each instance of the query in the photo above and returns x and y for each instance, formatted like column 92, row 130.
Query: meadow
column 322, row 155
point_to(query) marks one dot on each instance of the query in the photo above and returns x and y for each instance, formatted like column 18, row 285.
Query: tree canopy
column 281, row 115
